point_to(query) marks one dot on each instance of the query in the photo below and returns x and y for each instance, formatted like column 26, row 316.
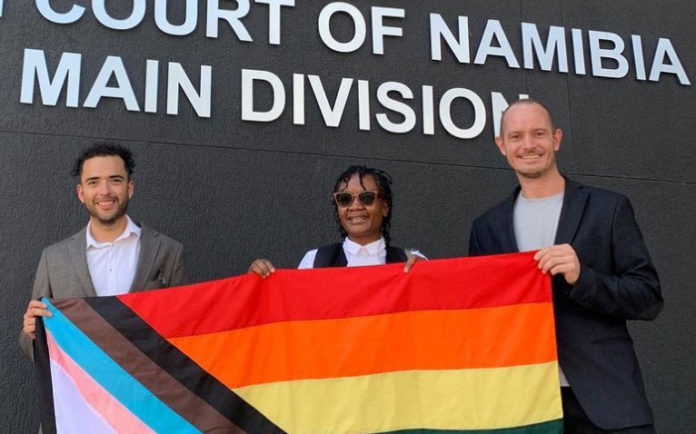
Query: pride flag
column 456, row 345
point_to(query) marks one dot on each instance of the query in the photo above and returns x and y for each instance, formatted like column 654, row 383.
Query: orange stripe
column 444, row 339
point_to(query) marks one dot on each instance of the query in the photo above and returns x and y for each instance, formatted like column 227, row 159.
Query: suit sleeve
column 42, row 288
column 179, row 274
column 632, row 290
column 474, row 245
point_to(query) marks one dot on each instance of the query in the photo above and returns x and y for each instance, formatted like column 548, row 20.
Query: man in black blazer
column 590, row 243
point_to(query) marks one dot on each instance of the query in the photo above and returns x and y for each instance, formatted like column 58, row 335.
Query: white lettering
column 74, row 14
column 249, row 76
column 555, row 43
column 597, row 53
column 578, row 52
column 428, row 111
column 274, row 18
column 151, row 85
column 113, row 66
column 396, row 99
column 379, row 30
column 665, row 49
column 325, row 27
column 35, row 69
column 332, row 115
column 485, row 49
column 136, row 17
column 232, row 17
column 177, row 79
column 459, row 47
column 185, row 28
column 446, row 116
column 364, row 105
column 387, row 102
column 638, row 58
column 298, row 99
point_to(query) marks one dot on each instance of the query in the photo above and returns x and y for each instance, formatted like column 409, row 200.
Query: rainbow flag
column 456, row 345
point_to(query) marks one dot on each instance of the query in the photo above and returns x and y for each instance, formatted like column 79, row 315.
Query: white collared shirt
column 112, row 265
column 374, row 253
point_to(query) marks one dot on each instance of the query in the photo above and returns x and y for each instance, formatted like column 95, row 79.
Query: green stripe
column 550, row 427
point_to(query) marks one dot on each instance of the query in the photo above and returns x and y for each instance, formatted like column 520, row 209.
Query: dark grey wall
column 232, row 190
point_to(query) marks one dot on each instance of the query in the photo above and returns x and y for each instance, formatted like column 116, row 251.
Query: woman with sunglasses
column 362, row 201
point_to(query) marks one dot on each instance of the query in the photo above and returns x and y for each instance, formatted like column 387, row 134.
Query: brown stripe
column 191, row 407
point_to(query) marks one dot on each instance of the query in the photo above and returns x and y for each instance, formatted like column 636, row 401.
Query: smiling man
column 589, row 241
column 112, row 255
column 362, row 203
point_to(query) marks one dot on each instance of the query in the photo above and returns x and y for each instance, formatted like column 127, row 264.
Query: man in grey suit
column 588, row 239
column 112, row 255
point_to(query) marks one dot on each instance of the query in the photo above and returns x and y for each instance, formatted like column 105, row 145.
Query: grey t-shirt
column 535, row 221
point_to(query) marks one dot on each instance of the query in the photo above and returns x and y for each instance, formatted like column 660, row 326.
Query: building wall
column 233, row 190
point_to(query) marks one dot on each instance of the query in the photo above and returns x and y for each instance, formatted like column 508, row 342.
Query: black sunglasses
column 344, row 199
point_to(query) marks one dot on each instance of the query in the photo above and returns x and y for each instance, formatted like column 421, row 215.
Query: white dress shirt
column 374, row 253
column 112, row 265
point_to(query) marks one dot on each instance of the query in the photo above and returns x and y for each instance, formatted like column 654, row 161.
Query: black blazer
column 617, row 282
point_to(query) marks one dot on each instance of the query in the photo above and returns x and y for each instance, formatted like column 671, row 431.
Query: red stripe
column 326, row 293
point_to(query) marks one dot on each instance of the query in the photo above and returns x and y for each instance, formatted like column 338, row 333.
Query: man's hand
column 262, row 267
column 413, row 257
column 559, row 259
column 35, row 308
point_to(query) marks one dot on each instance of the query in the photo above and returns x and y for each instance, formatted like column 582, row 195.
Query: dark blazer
column 63, row 271
column 617, row 282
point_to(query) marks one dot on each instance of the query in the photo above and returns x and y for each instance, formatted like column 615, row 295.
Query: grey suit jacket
column 63, row 272
column 617, row 282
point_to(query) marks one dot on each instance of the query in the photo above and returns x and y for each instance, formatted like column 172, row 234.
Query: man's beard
column 120, row 212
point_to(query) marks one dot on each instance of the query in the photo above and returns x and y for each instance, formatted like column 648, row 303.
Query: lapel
column 340, row 259
column 507, row 234
column 78, row 258
column 149, row 246
column 395, row 254
column 574, row 202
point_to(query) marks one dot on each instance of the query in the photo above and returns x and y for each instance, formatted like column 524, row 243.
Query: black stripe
column 122, row 351
column 181, row 367
column 44, row 384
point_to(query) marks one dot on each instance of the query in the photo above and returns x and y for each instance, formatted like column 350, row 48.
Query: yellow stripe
column 441, row 399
